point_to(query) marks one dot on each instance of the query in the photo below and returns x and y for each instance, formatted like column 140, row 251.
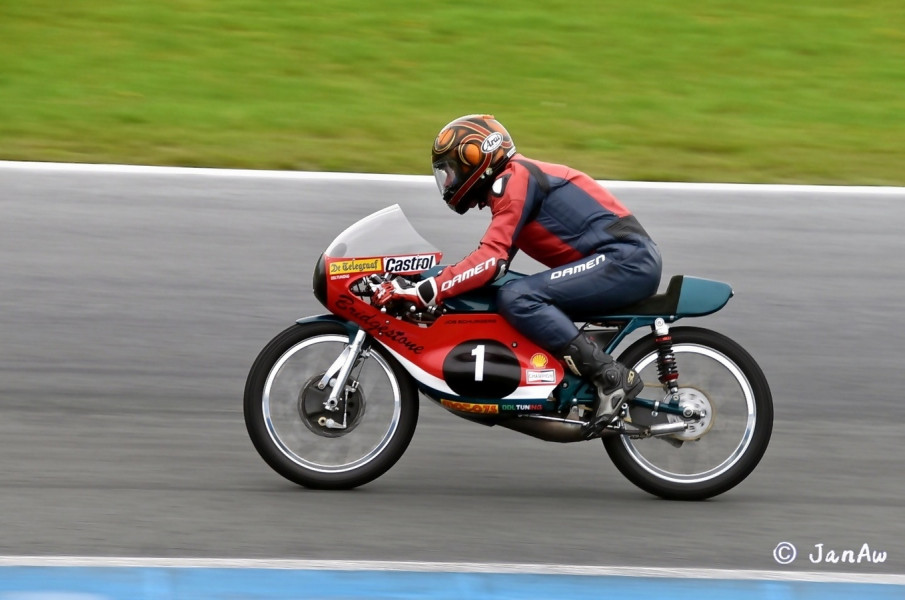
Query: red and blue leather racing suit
column 600, row 257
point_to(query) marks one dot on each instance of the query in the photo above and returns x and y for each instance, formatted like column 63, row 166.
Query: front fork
column 340, row 369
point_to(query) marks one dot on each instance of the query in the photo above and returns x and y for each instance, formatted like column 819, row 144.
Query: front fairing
column 452, row 356
column 382, row 242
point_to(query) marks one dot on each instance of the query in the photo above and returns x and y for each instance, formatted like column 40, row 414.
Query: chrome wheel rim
column 709, row 378
column 343, row 450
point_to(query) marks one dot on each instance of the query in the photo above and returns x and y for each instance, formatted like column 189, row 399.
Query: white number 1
column 478, row 353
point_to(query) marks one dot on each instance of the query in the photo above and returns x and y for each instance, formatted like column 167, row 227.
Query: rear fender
column 684, row 297
column 700, row 297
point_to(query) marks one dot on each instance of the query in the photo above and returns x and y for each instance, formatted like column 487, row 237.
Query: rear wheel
column 724, row 384
column 294, row 431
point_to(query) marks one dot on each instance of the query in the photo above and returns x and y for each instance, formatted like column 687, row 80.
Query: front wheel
column 724, row 384
column 303, row 438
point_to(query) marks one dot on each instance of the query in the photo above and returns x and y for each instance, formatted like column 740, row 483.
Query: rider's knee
column 514, row 299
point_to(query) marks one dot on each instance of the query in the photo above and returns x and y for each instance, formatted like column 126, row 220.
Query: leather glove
column 422, row 295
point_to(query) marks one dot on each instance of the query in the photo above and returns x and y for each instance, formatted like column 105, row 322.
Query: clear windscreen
column 386, row 232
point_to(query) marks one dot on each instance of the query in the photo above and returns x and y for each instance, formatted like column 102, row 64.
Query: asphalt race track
column 133, row 305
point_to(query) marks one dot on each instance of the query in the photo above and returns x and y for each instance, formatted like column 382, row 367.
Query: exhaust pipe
column 564, row 431
column 668, row 428
column 549, row 429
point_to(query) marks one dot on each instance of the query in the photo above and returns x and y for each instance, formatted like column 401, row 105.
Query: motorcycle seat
column 685, row 296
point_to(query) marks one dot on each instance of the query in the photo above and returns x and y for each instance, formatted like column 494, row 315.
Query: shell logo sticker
column 538, row 361
column 538, row 374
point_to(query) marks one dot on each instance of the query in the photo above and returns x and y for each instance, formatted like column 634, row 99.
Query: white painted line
column 450, row 567
column 758, row 188
column 42, row 167
column 47, row 167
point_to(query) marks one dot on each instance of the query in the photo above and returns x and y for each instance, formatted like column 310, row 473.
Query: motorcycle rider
column 598, row 256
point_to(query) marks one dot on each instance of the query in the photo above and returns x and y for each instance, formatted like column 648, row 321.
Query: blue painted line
column 177, row 583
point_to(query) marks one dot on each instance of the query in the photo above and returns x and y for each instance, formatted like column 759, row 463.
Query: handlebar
column 401, row 308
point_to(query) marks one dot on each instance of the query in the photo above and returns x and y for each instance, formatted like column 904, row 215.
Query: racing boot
column 615, row 383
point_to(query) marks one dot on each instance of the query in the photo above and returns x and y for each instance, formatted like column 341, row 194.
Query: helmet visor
column 447, row 178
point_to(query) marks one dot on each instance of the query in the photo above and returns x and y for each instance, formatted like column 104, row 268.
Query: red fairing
column 427, row 351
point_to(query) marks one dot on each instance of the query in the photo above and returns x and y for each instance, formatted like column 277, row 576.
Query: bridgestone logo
column 399, row 264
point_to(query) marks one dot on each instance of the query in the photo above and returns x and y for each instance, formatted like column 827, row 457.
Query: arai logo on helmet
column 492, row 142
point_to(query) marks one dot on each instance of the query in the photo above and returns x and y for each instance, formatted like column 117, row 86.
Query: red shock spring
column 667, row 371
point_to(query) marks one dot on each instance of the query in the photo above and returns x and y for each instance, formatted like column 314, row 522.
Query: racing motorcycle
column 332, row 401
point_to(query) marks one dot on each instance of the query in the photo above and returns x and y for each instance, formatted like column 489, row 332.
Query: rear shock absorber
column 667, row 371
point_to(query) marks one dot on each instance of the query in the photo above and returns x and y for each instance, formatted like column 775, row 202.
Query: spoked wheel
column 311, row 442
column 721, row 446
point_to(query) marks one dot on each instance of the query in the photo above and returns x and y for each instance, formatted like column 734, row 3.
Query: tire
column 285, row 414
column 716, row 453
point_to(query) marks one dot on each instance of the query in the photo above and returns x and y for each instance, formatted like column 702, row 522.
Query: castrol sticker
column 405, row 264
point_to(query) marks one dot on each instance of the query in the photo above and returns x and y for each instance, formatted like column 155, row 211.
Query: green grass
column 811, row 91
